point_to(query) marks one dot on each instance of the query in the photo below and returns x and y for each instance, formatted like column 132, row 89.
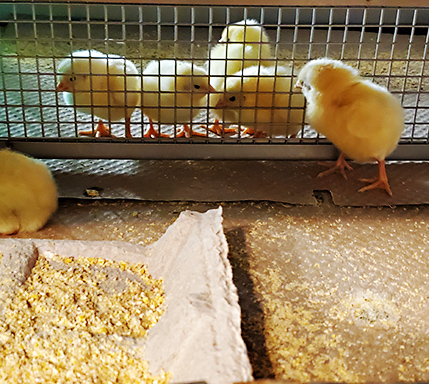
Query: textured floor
column 292, row 182
column 327, row 293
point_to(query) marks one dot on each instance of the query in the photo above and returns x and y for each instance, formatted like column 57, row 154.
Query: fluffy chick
column 362, row 119
column 28, row 193
column 106, row 86
column 243, row 44
column 173, row 92
column 261, row 98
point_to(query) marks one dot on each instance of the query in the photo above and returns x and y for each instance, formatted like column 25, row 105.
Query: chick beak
column 61, row 87
column 220, row 104
column 211, row 89
column 298, row 85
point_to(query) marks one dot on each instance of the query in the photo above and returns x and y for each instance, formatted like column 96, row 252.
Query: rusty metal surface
column 291, row 182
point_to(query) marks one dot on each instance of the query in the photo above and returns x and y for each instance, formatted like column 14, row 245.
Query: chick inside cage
column 253, row 100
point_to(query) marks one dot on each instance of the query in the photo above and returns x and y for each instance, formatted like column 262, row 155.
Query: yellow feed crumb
column 68, row 322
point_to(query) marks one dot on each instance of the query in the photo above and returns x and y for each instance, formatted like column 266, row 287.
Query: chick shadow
column 252, row 315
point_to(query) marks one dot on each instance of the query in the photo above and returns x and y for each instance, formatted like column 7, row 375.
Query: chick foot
column 152, row 132
column 100, row 131
column 254, row 133
column 339, row 165
column 218, row 129
column 378, row 182
column 186, row 132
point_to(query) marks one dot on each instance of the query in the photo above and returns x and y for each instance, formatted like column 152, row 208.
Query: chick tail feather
column 9, row 222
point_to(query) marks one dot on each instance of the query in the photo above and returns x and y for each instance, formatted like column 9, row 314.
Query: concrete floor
column 327, row 293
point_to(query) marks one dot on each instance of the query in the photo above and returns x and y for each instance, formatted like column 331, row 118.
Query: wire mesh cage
column 388, row 45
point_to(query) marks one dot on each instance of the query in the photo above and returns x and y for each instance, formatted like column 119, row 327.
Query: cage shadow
column 252, row 315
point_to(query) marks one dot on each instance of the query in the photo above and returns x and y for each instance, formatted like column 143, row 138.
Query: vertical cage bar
column 378, row 40
column 407, row 69
column 392, row 49
column 141, row 44
column 20, row 74
column 361, row 38
column 88, row 26
column 346, row 29
column 422, row 77
column 312, row 29
column 295, row 34
column 72, row 49
column 124, row 53
column 54, row 59
column 37, row 122
column 278, row 32
column 4, row 89
column 8, row 120
column 328, row 36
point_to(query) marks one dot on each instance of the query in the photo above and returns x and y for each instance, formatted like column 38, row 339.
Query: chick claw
column 152, row 132
column 256, row 134
column 100, row 131
column 340, row 164
column 378, row 182
column 186, row 132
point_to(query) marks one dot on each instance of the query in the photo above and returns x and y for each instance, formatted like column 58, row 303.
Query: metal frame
column 349, row 23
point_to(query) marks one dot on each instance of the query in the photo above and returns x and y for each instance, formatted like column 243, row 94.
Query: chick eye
column 232, row 98
column 73, row 78
column 196, row 86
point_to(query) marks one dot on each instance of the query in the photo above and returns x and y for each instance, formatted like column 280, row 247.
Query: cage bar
column 387, row 43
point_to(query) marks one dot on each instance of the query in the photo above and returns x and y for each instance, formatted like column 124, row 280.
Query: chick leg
column 128, row 133
column 378, row 182
column 340, row 164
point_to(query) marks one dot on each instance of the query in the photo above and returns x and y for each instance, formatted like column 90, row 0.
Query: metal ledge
column 196, row 150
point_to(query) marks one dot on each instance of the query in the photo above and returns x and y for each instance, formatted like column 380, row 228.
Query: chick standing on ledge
column 362, row 119
column 106, row 86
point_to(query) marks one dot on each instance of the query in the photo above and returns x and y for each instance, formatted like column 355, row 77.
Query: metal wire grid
column 389, row 45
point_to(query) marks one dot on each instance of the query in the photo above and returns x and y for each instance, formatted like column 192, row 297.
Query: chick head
column 192, row 79
column 76, row 69
column 248, row 31
column 247, row 90
column 324, row 73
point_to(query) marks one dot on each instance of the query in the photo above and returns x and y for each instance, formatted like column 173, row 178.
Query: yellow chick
column 106, row 86
column 243, row 44
column 362, row 119
column 173, row 92
column 261, row 98
column 28, row 193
